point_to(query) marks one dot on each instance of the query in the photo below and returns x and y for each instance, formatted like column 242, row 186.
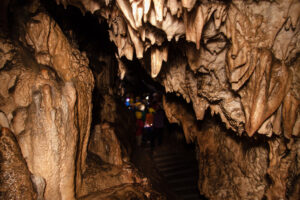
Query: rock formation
column 248, row 52
column 14, row 175
column 237, row 59
column 113, row 134
column 46, row 101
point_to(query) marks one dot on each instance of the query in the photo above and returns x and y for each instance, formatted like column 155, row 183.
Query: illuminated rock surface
column 237, row 59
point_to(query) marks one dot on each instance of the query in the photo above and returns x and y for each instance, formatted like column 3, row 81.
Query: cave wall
column 46, row 104
column 237, row 59
column 52, row 48
column 46, row 89
column 231, row 167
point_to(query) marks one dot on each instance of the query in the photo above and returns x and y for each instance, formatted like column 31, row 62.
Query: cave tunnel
column 141, row 99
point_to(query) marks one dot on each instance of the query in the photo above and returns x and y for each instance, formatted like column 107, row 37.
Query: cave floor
column 171, row 168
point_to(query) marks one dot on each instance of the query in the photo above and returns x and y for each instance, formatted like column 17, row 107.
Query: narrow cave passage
column 163, row 156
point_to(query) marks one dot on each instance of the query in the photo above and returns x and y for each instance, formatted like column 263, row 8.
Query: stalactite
column 239, row 59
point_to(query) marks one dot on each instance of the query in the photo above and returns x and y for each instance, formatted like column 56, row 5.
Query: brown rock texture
column 125, row 191
column 231, row 167
column 47, row 100
column 42, row 116
column 101, row 176
column 237, row 59
column 105, row 144
column 52, row 48
column 15, row 182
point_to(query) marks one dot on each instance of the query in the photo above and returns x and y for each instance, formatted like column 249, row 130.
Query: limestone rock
column 237, row 59
column 224, row 162
column 128, row 191
column 105, row 144
column 46, row 98
column 102, row 176
column 15, row 182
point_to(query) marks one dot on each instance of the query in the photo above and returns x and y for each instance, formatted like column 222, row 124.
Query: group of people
column 150, row 119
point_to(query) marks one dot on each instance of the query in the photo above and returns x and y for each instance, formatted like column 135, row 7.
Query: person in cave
column 148, row 127
column 140, row 120
column 158, row 126
column 139, row 127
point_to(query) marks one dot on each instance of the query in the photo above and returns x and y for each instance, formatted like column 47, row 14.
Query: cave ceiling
column 238, row 58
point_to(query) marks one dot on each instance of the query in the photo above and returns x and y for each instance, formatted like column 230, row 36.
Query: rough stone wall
column 52, row 48
column 238, row 58
column 45, row 99
column 15, row 182
column 40, row 111
column 45, row 96
column 231, row 167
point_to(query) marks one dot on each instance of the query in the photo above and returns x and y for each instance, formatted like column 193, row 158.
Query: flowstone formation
column 46, row 114
column 46, row 102
column 237, row 59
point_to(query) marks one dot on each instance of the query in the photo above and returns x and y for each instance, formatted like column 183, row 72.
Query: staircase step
column 186, row 188
column 190, row 196
column 180, row 170
column 178, row 167
column 170, row 163
column 183, row 179
column 186, row 171
column 167, row 157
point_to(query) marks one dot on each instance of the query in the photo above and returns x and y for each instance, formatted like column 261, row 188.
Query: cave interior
column 149, row 99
